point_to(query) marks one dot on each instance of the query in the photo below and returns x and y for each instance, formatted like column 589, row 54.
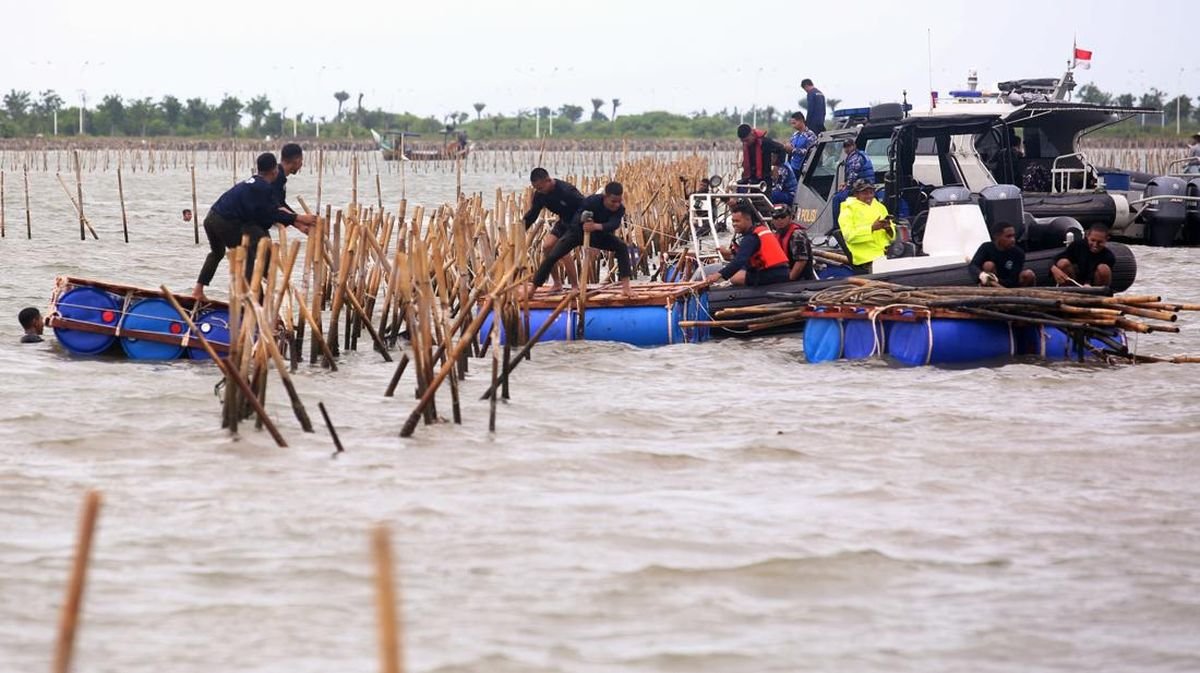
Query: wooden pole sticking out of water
column 1, row 204
column 391, row 655
column 585, row 270
column 28, row 219
column 195, row 211
column 69, row 620
column 79, row 189
column 121, row 196
column 337, row 443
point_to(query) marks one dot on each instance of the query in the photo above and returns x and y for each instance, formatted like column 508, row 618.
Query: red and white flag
column 1083, row 58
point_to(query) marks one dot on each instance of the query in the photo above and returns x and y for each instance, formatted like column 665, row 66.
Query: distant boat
column 398, row 145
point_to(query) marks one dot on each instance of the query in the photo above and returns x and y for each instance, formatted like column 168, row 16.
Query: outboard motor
column 948, row 195
column 1191, row 230
column 1053, row 233
column 1002, row 203
column 1164, row 217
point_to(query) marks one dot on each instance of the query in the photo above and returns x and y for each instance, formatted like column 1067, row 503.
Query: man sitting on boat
column 1193, row 164
column 759, row 259
column 784, row 192
column 1089, row 261
column 857, row 166
column 249, row 208
column 795, row 243
column 1000, row 261
column 600, row 215
column 760, row 156
column 866, row 226
column 562, row 199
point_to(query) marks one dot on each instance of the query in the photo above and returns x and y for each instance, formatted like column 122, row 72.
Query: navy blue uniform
column 603, row 240
column 249, row 208
column 563, row 201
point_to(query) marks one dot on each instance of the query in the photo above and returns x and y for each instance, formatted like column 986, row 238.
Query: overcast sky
column 437, row 57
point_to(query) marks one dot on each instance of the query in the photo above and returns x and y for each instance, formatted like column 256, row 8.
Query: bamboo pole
column 337, row 443
column 226, row 366
column 28, row 218
column 195, row 210
column 585, row 269
column 491, row 392
column 1, row 203
column 79, row 189
column 121, row 196
column 391, row 655
column 82, row 220
column 68, row 621
column 268, row 340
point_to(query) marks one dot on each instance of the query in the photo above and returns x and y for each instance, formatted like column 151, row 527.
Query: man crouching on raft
column 759, row 259
column 601, row 215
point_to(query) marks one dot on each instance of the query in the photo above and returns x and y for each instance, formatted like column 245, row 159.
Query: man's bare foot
column 556, row 288
column 626, row 290
column 198, row 293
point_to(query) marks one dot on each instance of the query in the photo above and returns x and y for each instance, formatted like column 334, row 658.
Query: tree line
column 25, row 114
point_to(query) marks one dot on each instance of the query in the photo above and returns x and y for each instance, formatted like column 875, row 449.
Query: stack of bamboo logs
column 1088, row 312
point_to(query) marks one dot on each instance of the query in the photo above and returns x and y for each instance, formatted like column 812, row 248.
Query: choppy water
column 720, row 507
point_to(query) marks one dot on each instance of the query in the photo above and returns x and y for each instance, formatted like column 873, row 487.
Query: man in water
column 815, row 104
column 794, row 242
column 562, row 199
column 31, row 321
column 187, row 214
column 760, row 156
column 291, row 160
column 249, row 208
column 1001, row 261
column 866, row 226
column 803, row 140
column 601, row 215
column 1089, row 261
column 759, row 259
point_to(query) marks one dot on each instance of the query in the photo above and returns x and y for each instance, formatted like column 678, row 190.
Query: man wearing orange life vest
column 759, row 259
column 760, row 156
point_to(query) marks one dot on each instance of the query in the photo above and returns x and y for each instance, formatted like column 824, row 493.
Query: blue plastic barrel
column 944, row 341
column 87, row 304
column 152, row 315
column 1053, row 343
column 561, row 329
column 822, row 339
column 859, row 341
column 214, row 325
column 636, row 325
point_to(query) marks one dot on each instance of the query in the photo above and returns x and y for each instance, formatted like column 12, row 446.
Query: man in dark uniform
column 600, row 214
column 560, row 198
column 795, row 243
column 1001, row 261
column 291, row 160
column 249, row 208
column 760, row 156
column 1089, row 261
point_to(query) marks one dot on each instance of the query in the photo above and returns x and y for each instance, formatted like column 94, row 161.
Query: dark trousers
column 224, row 234
column 775, row 274
column 601, row 240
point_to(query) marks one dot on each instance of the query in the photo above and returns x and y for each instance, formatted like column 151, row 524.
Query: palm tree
column 341, row 97
column 479, row 110
column 833, row 103
column 597, row 103
column 257, row 108
column 616, row 102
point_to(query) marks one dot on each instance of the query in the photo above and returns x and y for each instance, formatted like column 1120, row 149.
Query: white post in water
column 56, row 121
column 537, row 125
column 82, row 105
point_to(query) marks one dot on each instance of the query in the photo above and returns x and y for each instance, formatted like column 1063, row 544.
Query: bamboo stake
column 82, row 220
column 226, row 366
column 315, row 329
column 28, row 219
column 1, row 203
column 337, row 443
column 491, row 392
column 121, row 196
column 391, row 655
column 585, row 269
column 79, row 189
column 268, row 341
column 195, row 210
column 69, row 620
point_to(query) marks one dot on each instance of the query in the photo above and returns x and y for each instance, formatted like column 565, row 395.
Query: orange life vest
column 753, row 166
column 770, row 254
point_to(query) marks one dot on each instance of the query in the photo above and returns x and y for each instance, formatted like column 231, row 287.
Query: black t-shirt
column 600, row 215
column 1009, row 263
column 1085, row 261
column 563, row 201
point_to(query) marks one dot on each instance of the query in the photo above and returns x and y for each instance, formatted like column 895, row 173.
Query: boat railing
column 1185, row 162
column 1060, row 176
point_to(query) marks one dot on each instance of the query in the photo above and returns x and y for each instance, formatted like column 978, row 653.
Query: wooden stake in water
column 391, row 655
column 28, row 219
column 121, row 196
column 195, row 211
column 1, row 204
column 69, row 621
column 79, row 190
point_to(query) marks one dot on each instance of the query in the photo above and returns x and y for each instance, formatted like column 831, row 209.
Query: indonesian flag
column 1083, row 58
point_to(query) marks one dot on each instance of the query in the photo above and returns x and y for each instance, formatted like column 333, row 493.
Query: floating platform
column 91, row 317
column 650, row 317
column 915, row 339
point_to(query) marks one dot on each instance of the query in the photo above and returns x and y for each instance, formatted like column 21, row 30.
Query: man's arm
column 535, row 207
column 747, row 247
column 975, row 266
column 614, row 222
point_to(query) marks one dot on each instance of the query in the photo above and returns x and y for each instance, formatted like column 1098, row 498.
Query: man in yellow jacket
column 866, row 225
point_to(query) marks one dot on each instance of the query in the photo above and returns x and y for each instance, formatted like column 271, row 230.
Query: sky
column 433, row 58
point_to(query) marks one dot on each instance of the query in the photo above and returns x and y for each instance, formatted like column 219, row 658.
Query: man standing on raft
column 249, row 208
column 600, row 215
